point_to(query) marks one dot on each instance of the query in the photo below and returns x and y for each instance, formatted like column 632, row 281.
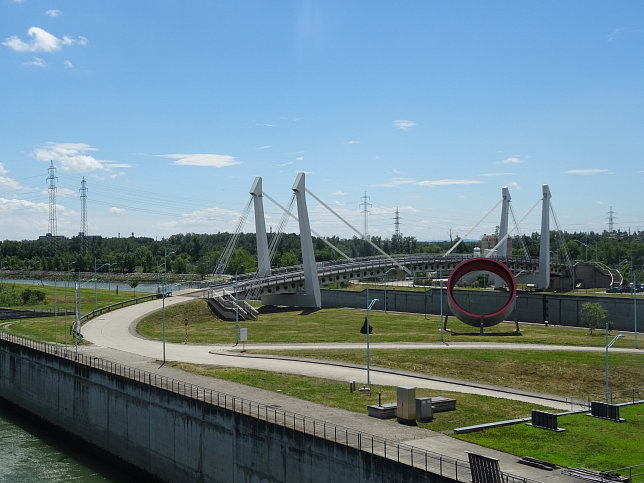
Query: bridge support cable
column 472, row 229
column 232, row 241
column 363, row 236
column 560, row 239
column 329, row 244
column 520, row 233
column 515, row 228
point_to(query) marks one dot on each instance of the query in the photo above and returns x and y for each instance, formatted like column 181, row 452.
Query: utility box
column 424, row 412
column 406, row 405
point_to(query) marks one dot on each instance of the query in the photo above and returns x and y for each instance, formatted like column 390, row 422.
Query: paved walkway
column 114, row 337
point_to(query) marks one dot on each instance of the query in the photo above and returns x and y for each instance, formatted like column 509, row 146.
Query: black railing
column 402, row 453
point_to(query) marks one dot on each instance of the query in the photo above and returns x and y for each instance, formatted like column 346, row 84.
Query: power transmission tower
column 611, row 220
column 52, row 228
column 365, row 211
column 397, row 223
column 83, row 226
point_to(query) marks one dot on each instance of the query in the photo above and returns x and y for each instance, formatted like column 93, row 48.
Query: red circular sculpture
column 477, row 265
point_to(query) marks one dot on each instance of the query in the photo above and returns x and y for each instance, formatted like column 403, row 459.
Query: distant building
column 488, row 242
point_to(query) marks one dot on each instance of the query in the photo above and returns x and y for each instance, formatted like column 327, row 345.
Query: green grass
column 471, row 408
column 587, row 442
column 343, row 325
column 563, row 373
column 51, row 329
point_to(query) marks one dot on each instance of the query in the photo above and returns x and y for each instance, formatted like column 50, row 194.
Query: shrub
column 593, row 315
column 32, row 296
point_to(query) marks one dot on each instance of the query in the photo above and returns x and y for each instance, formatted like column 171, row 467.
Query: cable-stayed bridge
column 299, row 286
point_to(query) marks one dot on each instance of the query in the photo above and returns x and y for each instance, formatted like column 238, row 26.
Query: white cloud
column 82, row 41
column 41, row 41
column 22, row 207
column 395, row 182
column 3, row 170
column 512, row 160
column 268, row 146
column 403, row 124
column 208, row 160
column 53, row 13
column 287, row 163
column 514, row 185
column 461, row 197
column 614, row 34
column 587, row 172
column 72, row 157
column 117, row 211
column 493, row 175
column 37, row 62
column 447, row 182
column 353, row 141
column 68, row 64
column 299, row 158
column 66, row 192
column 9, row 184
column 339, row 193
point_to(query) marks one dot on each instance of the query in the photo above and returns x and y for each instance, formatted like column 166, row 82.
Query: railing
column 633, row 473
column 400, row 452
column 118, row 305
column 617, row 397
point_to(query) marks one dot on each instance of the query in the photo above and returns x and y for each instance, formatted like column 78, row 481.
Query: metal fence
column 402, row 453
column 618, row 397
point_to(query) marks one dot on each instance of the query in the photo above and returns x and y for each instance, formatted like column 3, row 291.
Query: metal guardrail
column 119, row 305
column 616, row 397
column 402, row 453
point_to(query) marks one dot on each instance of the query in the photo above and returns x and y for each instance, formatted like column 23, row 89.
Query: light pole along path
column 117, row 330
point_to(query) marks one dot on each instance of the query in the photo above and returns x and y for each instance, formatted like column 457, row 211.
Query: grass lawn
column 471, row 408
column 587, row 442
column 45, row 329
column 555, row 372
column 343, row 325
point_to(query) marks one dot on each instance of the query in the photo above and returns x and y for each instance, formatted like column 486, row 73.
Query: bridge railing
column 405, row 454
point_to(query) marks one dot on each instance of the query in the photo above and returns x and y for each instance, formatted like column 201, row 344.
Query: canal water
column 141, row 288
column 31, row 450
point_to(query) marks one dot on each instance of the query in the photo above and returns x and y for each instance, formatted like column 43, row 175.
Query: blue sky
column 170, row 109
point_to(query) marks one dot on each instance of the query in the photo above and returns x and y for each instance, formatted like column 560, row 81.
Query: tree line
column 199, row 253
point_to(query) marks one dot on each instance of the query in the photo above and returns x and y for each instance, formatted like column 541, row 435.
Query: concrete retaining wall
column 176, row 437
column 530, row 307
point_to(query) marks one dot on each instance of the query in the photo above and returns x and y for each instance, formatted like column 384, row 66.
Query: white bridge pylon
column 308, row 293
column 310, row 296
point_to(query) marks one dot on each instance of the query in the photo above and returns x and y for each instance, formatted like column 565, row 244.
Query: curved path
column 117, row 330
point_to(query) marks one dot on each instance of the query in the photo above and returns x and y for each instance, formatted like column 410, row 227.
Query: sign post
column 243, row 336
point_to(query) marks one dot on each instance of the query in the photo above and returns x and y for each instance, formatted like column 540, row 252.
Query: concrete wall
column 530, row 307
column 176, row 437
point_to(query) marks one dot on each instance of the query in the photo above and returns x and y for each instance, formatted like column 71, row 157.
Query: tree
column 593, row 315
column 134, row 284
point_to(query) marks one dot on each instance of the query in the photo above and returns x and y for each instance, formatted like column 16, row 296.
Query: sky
column 169, row 110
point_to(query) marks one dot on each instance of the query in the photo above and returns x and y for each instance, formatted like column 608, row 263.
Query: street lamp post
column 66, row 283
column 96, row 269
column 608, row 345
column 440, row 279
column 236, row 310
column 163, row 292
column 77, row 322
column 369, row 306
